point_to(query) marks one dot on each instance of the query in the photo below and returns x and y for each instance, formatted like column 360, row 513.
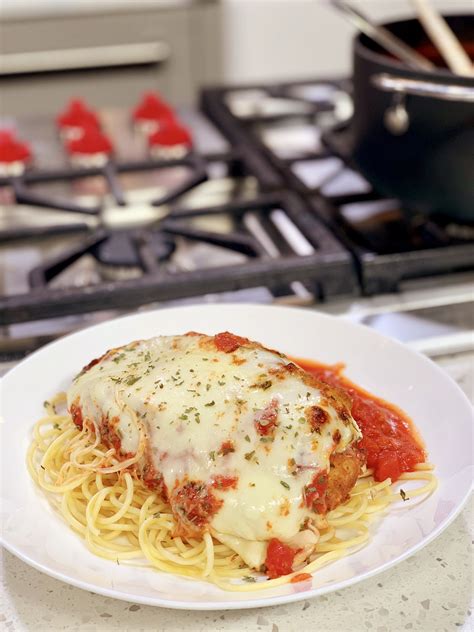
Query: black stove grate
column 388, row 245
column 354, row 240
column 326, row 270
column 24, row 194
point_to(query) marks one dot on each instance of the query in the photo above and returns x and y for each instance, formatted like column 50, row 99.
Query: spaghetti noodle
column 102, row 499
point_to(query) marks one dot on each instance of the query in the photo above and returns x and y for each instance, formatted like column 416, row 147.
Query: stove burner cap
column 122, row 249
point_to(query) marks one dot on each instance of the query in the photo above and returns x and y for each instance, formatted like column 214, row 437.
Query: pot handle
column 422, row 88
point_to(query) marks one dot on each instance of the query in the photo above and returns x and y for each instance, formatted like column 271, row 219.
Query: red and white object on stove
column 14, row 154
column 92, row 149
column 152, row 113
column 170, row 141
column 75, row 118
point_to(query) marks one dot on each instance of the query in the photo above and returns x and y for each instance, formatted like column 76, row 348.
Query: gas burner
column 301, row 224
column 121, row 249
column 388, row 245
column 129, row 253
column 271, row 239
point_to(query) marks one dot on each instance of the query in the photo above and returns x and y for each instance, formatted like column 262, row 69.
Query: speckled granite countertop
column 430, row 591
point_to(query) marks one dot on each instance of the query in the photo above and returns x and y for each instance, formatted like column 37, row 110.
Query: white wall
column 278, row 39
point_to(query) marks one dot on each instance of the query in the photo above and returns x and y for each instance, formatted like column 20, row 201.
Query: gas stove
column 303, row 131
column 262, row 205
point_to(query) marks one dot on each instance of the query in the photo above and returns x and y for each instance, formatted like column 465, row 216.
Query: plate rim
column 241, row 605
column 262, row 601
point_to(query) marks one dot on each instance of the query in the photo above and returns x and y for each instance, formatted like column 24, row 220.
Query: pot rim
column 396, row 67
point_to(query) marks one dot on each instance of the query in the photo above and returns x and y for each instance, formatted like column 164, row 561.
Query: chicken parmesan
column 215, row 457
column 237, row 438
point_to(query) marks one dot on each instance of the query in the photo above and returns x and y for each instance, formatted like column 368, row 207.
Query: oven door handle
column 82, row 58
column 421, row 88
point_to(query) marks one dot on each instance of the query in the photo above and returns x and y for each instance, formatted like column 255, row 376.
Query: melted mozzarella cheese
column 198, row 410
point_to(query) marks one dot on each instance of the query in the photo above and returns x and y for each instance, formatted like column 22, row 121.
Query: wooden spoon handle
column 444, row 39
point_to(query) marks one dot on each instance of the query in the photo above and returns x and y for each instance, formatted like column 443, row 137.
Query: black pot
column 412, row 131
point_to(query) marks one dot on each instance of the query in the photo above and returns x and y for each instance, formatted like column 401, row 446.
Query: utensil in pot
column 443, row 38
column 383, row 36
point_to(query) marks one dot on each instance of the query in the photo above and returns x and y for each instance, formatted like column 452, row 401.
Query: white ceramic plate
column 33, row 532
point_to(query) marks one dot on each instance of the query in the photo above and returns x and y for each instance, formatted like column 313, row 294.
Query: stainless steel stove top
column 437, row 310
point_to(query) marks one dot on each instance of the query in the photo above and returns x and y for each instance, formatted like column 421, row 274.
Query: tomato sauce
column 196, row 503
column 76, row 414
column 154, row 480
column 301, row 577
column 225, row 482
column 227, row 448
column 389, row 439
column 279, row 560
column 314, row 492
column 228, row 342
